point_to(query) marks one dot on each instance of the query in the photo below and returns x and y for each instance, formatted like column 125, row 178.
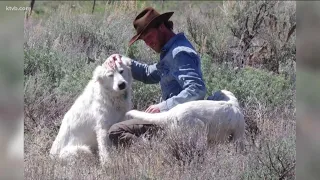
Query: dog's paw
column 104, row 159
column 130, row 114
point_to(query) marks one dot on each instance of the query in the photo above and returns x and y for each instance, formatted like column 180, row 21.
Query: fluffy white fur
column 104, row 102
column 222, row 117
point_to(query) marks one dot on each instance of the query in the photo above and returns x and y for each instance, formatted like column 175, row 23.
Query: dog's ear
column 98, row 73
column 126, row 61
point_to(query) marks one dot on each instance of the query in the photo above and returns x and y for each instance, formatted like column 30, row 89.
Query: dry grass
column 176, row 156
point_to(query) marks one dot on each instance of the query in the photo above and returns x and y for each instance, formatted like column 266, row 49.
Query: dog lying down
column 104, row 102
column 220, row 114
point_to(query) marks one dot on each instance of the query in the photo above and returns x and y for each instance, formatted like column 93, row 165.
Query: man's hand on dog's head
column 112, row 59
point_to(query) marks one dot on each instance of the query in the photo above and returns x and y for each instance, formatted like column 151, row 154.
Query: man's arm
column 145, row 73
column 187, row 73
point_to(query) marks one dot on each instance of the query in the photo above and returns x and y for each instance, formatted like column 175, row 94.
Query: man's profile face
column 153, row 38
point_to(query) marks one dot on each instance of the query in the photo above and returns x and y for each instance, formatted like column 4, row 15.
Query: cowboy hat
column 149, row 17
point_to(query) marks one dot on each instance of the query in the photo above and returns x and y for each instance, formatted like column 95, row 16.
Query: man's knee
column 127, row 131
column 123, row 133
column 115, row 129
column 115, row 132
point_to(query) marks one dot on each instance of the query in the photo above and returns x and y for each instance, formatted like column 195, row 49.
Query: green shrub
column 145, row 95
column 248, row 84
column 56, row 73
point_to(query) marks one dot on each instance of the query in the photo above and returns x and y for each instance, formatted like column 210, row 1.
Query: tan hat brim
column 162, row 17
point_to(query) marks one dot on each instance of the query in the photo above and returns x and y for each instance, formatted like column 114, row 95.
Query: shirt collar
column 167, row 46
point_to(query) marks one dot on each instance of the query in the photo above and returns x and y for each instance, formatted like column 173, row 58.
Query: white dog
column 105, row 100
column 221, row 116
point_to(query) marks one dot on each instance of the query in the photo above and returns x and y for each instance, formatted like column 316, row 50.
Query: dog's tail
column 157, row 118
column 240, row 130
column 61, row 139
column 228, row 96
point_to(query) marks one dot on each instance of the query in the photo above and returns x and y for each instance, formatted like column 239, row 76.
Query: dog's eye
column 121, row 71
column 110, row 75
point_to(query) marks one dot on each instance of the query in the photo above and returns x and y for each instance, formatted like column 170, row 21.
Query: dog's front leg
column 103, row 144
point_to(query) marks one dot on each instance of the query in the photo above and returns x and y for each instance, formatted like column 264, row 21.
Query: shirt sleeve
column 187, row 72
column 145, row 73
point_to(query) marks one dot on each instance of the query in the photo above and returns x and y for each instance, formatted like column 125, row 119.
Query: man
column 178, row 71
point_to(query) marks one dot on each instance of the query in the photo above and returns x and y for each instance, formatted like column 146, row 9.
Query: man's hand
column 112, row 59
column 153, row 109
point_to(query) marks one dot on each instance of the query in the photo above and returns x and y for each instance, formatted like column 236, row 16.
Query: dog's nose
column 122, row 85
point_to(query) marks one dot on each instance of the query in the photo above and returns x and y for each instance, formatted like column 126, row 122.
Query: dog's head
column 114, row 76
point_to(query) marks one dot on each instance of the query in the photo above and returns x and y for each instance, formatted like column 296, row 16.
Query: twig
column 271, row 162
column 279, row 159
column 94, row 4
column 291, row 31
column 285, row 173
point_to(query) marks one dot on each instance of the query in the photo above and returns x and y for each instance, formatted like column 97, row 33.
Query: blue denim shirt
column 178, row 71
